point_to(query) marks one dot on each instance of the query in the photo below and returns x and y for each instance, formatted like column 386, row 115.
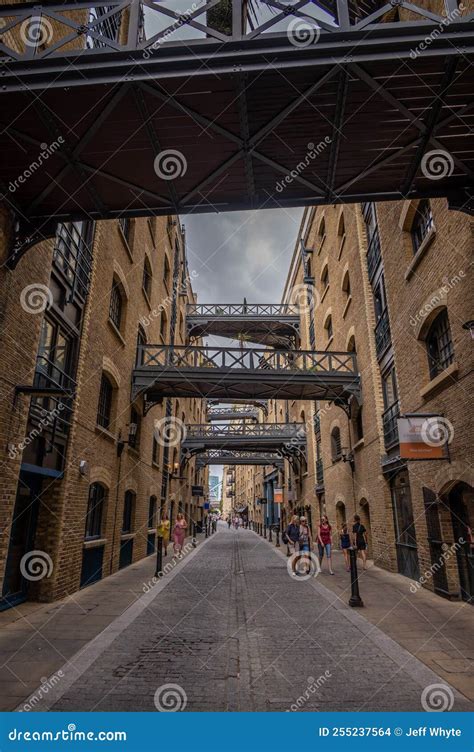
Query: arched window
column 147, row 275
column 346, row 285
column 328, row 327
column 125, row 226
column 116, row 307
column 141, row 342
column 439, row 344
column 95, row 511
column 336, row 452
column 322, row 230
column 351, row 345
column 163, row 326
column 422, row 224
column 325, row 278
column 167, row 273
column 341, row 228
column 104, row 409
column 128, row 509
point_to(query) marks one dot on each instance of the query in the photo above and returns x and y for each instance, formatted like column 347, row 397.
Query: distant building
column 214, row 488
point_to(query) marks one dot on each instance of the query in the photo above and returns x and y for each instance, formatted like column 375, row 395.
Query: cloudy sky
column 240, row 254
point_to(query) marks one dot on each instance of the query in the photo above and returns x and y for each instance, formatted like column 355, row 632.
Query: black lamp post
column 355, row 600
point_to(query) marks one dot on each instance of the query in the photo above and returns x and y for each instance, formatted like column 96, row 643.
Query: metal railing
column 249, row 310
column 221, row 413
column 108, row 26
column 374, row 255
column 255, row 359
column 238, row 457
column 390, row 427
column 285, row 431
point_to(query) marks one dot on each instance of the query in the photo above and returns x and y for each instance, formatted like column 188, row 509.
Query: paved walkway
column 229, row 629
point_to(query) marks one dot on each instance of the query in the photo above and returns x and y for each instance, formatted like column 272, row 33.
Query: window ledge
column 127, row 536
column 94, row 543
column 443, row 380
column 105, row 433
column 116, row 331
column 358, row 445
column 324, row 294
column 145, row 295
column 346, row 307
column 156, row 465
column 125, row 243
column 420, row 253
column 329, row 342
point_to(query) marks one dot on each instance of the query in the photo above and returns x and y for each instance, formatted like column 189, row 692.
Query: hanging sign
column 424, row 437
column 278, row 495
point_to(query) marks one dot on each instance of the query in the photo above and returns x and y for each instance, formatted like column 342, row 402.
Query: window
column 95, row 511
column 422, row 224
column 322, row 231
column 346, row 285
column 104, row 410
column 351, row 346
column 336, row 451
column 341, row 228
column 73, row 254
column 141, row 342
column 146, row 283
column 328, row 327
column 163, row 326
column 108, row 28
column 167, row 273
column 116, row 304
column 128, row 506
column 439, row 344
column 124, row 224
column 325, row 278
column 358, row 426
column 154, row 451
column 152, row 507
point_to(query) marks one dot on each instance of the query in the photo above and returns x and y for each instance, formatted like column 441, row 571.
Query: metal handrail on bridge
column 296, row 432
column 251, row 359
column 249, row 310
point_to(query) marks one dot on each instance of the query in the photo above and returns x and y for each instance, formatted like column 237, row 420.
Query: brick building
column 391, row 283
column 85, row 473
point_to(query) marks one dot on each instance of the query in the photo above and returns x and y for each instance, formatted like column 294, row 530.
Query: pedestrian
column 179, row 534
column 345, row 539
column 325, row 541
column 359, row 539
column 305, row 542
column 229, row 522
column 163, row 531
column 291, row 535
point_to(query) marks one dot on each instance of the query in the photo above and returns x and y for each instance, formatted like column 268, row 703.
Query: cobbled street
column 232, row 631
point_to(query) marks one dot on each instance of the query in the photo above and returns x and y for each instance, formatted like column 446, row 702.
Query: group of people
column 235, row 521
column 178, row 534
column 298, row 538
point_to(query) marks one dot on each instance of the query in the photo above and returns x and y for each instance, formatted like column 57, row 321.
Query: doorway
column 461, row 506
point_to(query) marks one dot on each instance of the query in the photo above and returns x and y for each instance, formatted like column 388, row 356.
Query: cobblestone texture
column 238, row 634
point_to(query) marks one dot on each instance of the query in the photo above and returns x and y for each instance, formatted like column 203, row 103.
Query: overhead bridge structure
column 238, row 457
column 255, row 437
column 122, row 108
column 228, row 373
column 235, row 412
column 271, row 324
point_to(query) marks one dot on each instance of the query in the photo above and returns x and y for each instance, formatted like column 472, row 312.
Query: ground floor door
column 22, row 539
column 461, row 505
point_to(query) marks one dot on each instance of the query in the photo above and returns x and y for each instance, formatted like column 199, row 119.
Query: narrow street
column 232, row 631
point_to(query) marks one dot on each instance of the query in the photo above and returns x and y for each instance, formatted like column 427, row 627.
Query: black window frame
column 439, row 344
column 95, row 511
column 421, row 225
column 336, row 444
column 128, row 509
column 152, row 512
column 104, row 407
column 116, row 305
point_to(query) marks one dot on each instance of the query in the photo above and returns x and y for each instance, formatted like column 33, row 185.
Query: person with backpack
column 359, row 539
column 325, row 541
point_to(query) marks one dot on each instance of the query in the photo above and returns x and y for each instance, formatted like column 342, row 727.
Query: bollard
column 205, row 528
column 260, row 529
column 270, row 535
column 159, row 556
column 355, row 600
column 194, row 542
column 265, row 531
column 277, row 544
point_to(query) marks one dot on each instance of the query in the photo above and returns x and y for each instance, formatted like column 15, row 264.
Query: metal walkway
column 271, row 324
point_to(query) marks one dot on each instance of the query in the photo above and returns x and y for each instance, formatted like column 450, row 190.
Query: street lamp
column 132, row 432
column 348, row 456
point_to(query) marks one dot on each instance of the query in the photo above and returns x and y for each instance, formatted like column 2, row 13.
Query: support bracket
column 25, row 234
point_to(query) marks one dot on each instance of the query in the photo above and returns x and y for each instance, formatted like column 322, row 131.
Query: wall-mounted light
column 83, row 467
column 348, row 456
column 469, row 325
column 132, row 432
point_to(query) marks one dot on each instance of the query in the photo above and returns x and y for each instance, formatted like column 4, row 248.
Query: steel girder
column 262, row 404
column 233, row 413
column 229, row 373
column 258, row 437
column 357, row 110
column 274, row 325
column 238, row 457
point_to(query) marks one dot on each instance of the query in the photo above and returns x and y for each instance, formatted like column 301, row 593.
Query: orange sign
column 278, row 495
column 422, row 438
